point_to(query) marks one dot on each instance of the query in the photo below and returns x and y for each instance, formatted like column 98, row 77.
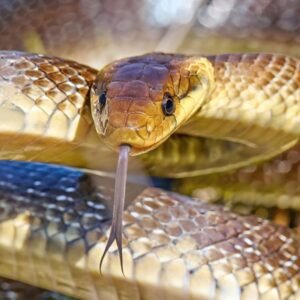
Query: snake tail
column 118, row 206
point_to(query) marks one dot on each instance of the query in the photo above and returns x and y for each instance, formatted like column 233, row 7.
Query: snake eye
column 168, row 104
column 102, row 100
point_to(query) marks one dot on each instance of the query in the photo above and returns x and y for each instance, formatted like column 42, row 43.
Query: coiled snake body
column 250, row 100
column 52, row 110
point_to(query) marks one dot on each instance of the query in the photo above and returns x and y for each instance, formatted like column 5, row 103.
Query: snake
column 182, row 96
column 55, row 110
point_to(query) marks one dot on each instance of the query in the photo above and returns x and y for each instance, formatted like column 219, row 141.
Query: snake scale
column 55, row 221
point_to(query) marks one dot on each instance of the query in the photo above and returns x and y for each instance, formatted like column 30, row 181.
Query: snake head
column 141, row 101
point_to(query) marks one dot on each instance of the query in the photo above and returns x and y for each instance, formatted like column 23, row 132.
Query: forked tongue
column 118, row 206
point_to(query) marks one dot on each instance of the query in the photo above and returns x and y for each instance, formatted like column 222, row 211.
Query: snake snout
column 131, row 122
column 128, row 115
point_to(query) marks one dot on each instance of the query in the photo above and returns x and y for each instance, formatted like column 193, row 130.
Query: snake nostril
column 168, row 104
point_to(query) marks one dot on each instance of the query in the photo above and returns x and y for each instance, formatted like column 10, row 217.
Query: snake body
column 28, row 90
column 45, row 104
column 174, row 246
column 231, row 111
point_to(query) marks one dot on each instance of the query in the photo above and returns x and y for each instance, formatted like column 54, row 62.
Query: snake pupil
column 102, row 100
column 168, row 104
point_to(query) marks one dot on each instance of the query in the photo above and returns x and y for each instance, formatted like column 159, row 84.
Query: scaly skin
column 61, row 130
column 44, row 27
column 49, row 101
column 251, row 99
column 175, row 247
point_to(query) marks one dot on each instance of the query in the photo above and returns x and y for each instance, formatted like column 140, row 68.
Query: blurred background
column 95, row 32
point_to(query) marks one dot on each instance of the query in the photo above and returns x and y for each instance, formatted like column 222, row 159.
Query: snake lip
column 116, row 137
column 130, row 138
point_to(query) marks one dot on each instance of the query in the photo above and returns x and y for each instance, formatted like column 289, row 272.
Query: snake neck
column 254, row 101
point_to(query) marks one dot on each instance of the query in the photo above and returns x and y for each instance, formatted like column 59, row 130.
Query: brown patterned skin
column 53, row 122
column 274, row 183
column 45, row 111
column 191, row 252
column 43, row 97
column 174, row 246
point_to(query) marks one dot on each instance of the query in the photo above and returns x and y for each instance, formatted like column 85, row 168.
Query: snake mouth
column 117, row 137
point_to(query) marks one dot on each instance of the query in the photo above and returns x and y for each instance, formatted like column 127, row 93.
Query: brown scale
column 270, row 190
